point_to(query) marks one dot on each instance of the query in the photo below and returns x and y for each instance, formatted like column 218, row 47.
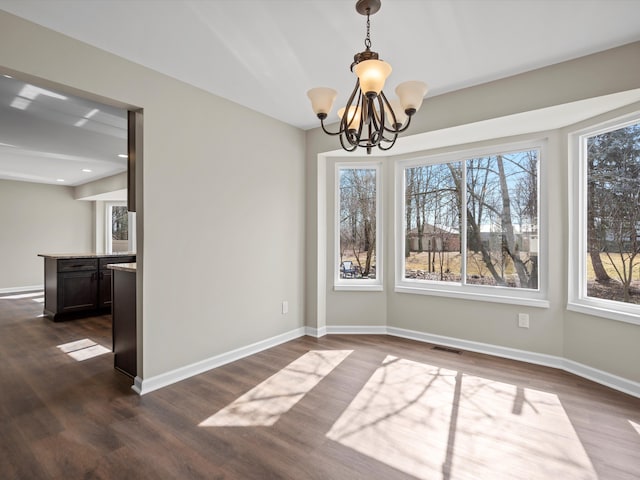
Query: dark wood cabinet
column 77, row 285
column 104, row 289
column 105, row 275
column 124, row 321
column 77, row 291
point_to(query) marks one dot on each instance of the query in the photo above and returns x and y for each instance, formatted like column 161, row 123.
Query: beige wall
column 206, row 291
column 457, row 118
column 102, row 186
column 37, row 218
column 208, row 198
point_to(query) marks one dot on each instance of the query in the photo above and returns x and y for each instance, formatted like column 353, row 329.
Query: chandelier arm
column 392, row 143
column 368, row 143
column 345, row 116
column 324, row 129
column 375, row 117
column 357, row 134
column 392, row 139
column 405, row 126
column 376, row 133
column 383, row 128
column 386, row 103
column 381, row 112
column 351, row 137
column 344, row 147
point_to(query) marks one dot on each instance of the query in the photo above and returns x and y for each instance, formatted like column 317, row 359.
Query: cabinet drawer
column 110, row 260
column 77, row 264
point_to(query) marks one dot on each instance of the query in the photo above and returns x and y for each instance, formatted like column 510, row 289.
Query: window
column 470, row 225
column 606, row 205
column 358, row 239
column 120, row 231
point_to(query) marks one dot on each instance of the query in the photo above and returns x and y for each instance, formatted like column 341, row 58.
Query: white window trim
column 497, row 294
column 131, row 242
column 578, row 300
column 340, row 284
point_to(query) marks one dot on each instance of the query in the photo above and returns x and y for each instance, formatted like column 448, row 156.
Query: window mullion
column 463, row 225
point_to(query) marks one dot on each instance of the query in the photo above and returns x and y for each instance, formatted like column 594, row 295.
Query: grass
column 451, row 261
column 608, row 264
column 476, row 268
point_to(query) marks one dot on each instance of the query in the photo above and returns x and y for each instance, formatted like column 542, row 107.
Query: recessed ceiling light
column 31, row 92
column 60, row 180
column 20, row 103
column 87, row 170
column 123, row 155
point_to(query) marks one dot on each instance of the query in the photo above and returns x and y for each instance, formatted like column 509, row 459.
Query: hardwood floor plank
column 393, row 409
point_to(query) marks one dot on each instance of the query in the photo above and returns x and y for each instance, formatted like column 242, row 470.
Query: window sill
column 362, row 287
column 529, row 302
column 603, row 312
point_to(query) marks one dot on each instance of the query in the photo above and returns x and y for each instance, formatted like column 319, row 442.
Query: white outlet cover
column 523, row 320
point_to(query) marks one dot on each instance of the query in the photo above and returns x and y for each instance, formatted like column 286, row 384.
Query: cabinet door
column 77, row 291
column 104, row 291
column 124, row 322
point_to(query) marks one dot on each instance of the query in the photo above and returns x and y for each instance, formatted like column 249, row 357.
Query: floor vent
column 446, row 349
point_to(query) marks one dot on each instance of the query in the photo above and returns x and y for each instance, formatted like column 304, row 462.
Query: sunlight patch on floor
column 431, row 422
column 264, row 404
column 22, row 295
column 636, row 426
column 83, row 349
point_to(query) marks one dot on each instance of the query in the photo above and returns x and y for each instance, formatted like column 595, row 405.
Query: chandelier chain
column 367, row 41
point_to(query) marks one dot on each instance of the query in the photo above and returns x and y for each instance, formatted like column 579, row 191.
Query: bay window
column 468, row 225
column 605, row 268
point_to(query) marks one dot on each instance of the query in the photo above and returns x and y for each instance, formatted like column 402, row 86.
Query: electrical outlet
column 285, row 307
column 523, row 320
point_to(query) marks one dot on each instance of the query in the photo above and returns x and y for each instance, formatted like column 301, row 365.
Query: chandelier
column 369, row 119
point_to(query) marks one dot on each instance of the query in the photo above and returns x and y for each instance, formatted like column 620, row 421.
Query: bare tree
column 613, row 209
column 358, row 216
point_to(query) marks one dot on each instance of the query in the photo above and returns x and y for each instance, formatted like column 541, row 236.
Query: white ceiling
column 48, row 137
column 265, row 54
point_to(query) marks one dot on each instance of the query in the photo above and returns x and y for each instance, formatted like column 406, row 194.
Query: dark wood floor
column 391, row 409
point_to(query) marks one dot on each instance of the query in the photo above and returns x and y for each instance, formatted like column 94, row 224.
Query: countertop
column 86, row 255
column 123, row 267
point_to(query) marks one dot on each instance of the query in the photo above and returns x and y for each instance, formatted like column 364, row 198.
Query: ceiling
column 48, row 137
column 265, row 54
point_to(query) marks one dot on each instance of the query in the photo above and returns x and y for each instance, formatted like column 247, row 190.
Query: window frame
column 369, row 284
column 489, row 293
column 578, row 301
column 131, row 229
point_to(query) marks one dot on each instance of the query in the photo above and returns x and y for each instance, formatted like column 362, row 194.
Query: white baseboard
column 315, row 332
column 28, row 288
column 357, row 329
column 495, row 350
column 604, row 378
column 145, row 385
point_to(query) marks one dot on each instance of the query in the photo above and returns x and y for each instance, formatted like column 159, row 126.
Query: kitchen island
column 79, row 284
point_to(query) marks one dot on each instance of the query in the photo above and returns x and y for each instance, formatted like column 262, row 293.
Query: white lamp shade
column 353, row 119
column 372, row 75
column 322, row 99
column 398, row 111
column 411, row 94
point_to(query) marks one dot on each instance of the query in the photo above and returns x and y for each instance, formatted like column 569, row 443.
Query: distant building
column 434, row 239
